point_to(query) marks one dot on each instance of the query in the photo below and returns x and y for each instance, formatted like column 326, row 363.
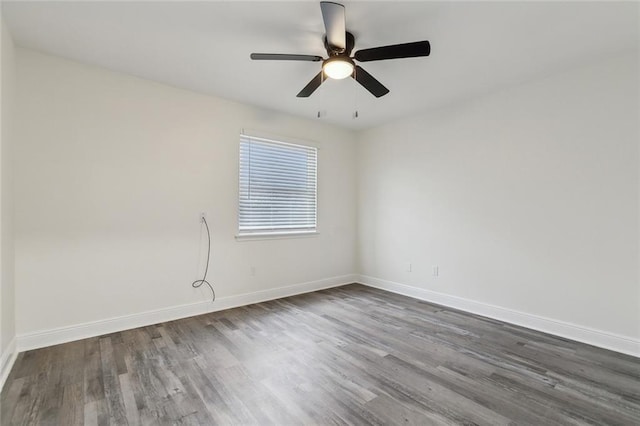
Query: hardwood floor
column 350, row 355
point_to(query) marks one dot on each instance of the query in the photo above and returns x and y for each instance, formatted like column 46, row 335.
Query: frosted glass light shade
column 338, row 68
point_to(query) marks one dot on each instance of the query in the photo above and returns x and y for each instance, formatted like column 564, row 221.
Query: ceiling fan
column 339, row 64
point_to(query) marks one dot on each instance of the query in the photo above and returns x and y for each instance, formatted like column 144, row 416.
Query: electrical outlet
column 203, row 216
column 436, row 270
column 409, row 267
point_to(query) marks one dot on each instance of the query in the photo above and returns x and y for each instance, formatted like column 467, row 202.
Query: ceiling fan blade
column 312, row 86
column 396, row 51
column 369, row 82
column 284, row 57
column 334, row 24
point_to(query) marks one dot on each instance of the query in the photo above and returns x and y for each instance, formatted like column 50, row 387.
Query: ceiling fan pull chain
column 321, row 113
column 355, row 98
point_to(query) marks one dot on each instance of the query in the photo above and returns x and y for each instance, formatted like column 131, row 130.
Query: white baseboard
column 39, row 339
column 606, row 340
column 7, row 358
column 55, row 336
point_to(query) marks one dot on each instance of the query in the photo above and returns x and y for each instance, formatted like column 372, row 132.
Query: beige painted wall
column 113, row 172
column 526, row 199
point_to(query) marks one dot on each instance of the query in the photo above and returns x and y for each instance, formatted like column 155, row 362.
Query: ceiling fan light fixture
column 339, row 44
column 338, row 67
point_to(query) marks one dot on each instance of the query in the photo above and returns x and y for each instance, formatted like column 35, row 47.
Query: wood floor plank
column 112, row 390
column 12, row 392
column 349, row 355
column 71, row 411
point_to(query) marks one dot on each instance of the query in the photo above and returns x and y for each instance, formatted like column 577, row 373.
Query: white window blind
column 277, row 186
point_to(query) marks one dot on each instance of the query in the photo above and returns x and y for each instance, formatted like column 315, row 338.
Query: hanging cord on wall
column 198, row 283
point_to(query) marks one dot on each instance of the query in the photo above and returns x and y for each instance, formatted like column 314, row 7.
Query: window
column 277, row 187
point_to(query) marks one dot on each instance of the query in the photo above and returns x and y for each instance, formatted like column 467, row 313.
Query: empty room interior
column 320, row 213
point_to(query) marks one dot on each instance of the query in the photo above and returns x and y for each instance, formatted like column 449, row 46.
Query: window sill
column 275, row 235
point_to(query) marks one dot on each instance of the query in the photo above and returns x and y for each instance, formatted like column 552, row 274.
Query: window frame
column 275, row 233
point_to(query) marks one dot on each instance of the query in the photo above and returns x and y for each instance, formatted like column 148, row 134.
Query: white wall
column 7, row 299
column 111, row 174
column 526, row 199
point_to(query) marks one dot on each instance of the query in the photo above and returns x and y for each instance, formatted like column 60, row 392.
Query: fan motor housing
column 334, row 51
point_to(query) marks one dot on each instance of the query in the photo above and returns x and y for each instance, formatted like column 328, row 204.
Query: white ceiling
column 477, row 47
